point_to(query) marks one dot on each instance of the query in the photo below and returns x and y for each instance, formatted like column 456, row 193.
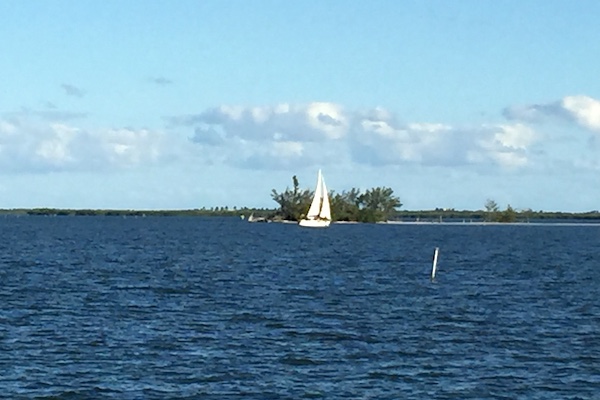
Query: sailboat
column 252, row 218
column 319, row 213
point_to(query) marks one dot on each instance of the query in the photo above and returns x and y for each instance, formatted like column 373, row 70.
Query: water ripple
column 143, row 308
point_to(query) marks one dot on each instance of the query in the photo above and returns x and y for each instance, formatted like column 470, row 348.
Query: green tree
column 293, row 203
column 491, row 210
column 344, row 206
column 508, row 215
column 377, row 204
column 527, row 214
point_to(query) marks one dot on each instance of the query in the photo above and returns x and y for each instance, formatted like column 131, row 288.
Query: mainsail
column 319, row 213
column 325, row 207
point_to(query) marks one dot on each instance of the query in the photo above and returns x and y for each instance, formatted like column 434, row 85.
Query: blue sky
column 189, row 104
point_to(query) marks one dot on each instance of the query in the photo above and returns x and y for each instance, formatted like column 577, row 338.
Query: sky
column 147, row 104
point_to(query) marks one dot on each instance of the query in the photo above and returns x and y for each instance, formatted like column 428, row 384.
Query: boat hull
column 314, row 223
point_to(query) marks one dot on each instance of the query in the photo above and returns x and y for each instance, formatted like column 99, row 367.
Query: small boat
column 319, row 213
column 252, row 218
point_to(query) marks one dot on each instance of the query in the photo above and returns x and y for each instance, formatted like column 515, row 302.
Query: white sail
column 319, row 213
column 325, row 207
column 315, row 206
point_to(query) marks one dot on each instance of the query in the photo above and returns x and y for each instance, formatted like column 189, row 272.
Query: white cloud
column 357, row 148
column 285, row 135
column 516, row 136
column 273, row 155
column 425, row 127
column 505, row 158
column 383, row 129
column 506, row 145
column 233, row 112
column 312, row 122
column 7, row 128
column 261, row 114
column 585, row 110
column 287, row 149
column 130, row 147
column 266, row 136
column 328, row 118
column 34, row 144
column 55, row 149
column 582, row 110
column 282, row 136
column 385, row 142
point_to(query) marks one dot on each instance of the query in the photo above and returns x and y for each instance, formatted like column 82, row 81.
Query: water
column 209, row 308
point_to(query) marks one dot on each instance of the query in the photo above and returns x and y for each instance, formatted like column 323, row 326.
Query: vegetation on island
column 374, row 205
column 493, row 213
column 507, row 215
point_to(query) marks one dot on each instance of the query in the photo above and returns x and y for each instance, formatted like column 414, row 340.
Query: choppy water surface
column 141, row 308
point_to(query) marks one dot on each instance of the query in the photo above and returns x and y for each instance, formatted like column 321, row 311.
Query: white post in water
column 435, row 257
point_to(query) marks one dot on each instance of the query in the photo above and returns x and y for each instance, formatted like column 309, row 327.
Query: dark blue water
column 161, row 308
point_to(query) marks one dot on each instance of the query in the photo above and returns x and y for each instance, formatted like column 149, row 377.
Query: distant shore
column 417, row 217
column 486, row 223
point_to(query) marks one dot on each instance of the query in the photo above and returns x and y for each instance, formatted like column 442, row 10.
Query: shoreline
column 481, row 223
column 406, row 217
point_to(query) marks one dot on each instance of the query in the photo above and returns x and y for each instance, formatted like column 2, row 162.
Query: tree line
column 378, row 204
column 435, row 215
column 374, row 205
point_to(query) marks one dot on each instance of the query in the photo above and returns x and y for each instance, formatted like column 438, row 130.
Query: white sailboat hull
column 314, row 223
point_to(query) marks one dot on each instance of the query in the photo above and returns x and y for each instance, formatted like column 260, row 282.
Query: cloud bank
column 29, row 143
column 583, row 111
column 290, row 136
column 286, row 135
